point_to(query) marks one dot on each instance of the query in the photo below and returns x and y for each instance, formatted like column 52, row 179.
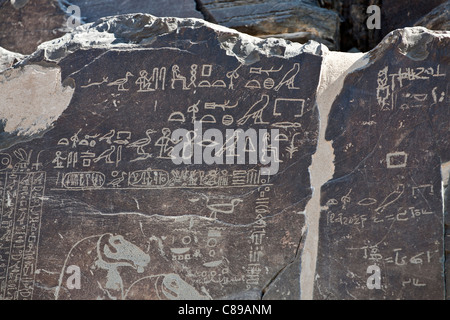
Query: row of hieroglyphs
column 391, row 84
column 384, row 210
column 21, row 200
column 257, row 237
column 152, row 178
column 162, row 78
column 285, row 112
column 383, row 254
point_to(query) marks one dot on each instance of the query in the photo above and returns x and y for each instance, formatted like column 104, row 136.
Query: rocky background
column 342, row 27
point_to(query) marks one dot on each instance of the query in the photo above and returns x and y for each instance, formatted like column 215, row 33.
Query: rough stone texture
column 445, row 169
column 394, row 15
column 294, row 20
column 91, row 10
column 37, row 21
column 8, row 58
column 353, row 29
column 404, row 13
column 390, row 131
column 92, row 185
column 437, row 19
column 26, row 24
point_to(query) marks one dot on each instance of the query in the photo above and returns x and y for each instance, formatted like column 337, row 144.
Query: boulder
column 91, row 10
column 401, row 14
column 8, row 58
column 293, row 20
column 162, row 158
column 381, row 224
column 173, row 158
column 26, row 24
column 436, row 19
column 354, row 14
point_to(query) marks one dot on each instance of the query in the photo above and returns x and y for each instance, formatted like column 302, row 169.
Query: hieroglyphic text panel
column 381, row 227
column 137, row 215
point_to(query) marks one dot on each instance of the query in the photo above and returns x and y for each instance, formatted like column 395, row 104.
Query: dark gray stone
column 90, row 183
column 446, row 178
column 437, row 19
column 390, row 130
column 354, row 30
column 293, row 20
column 91, row 10
column 403, row 13
column 394, row 15
column 285, row 285
column 26, row 24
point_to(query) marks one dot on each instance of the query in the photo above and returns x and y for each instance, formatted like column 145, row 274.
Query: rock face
column 381, row 225
column 37, row 21
column 8, row 58
column 294, row 20
column 354, row 32
column 91, row 10
column 339, row 24
column 110, row 183
column 447, row 242
column 353, row 29
column 33, row 22
column 409, row 13
column 437, row 19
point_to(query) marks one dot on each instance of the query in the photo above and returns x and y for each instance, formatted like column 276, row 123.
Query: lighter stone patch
column 445, row 170
column 31, row 99
column 414, row 45
column 7, row 58
column 335, row 67
column 17, row 4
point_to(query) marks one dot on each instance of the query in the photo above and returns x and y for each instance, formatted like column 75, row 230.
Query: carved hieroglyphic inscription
column 118, row 207
column 21, row 203
column 383, row 209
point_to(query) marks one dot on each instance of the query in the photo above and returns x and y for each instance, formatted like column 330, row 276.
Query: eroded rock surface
column 400, row 14
column 116, row 166
column 91, row 10
column 26, row 24
column 437, row 19
column 294, row 20
column 354, row 14
column 8, row 58
column 94, row 186
column 382, row 213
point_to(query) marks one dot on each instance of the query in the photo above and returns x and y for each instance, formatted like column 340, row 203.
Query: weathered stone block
column 8, row 58
column 88, row 175
column 437, row 19
column 401, row 14
column 26, row 24
column 91, row 10
column 294, row 20
column 116, row 166
column 390, row 129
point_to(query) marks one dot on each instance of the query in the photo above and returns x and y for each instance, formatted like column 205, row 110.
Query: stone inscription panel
column 101, row 196
column 382, row 213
